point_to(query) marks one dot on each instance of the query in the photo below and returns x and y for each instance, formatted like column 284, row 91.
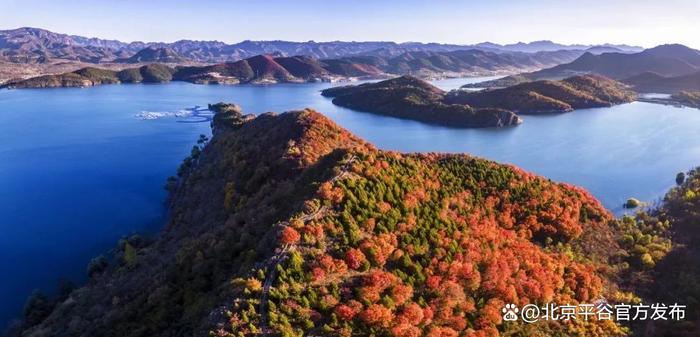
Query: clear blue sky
column 583, row 21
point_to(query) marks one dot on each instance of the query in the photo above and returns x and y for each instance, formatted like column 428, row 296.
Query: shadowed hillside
column 655, row 83
column 688, row 98
column 664, row 255
column 157, row 55
column 302, row 66
column 266, row 68
column 85, row 77
column 411, row 98
column 261, row 69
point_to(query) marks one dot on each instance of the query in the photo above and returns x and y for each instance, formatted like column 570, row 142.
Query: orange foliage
column 333, row 194
column 405, row 330
column 289, row 236
column 355, row 258
column 401, row 293
column 411, row 313
column 377, row 315
column 348, row 311
column 440, row 331
column 460, row 236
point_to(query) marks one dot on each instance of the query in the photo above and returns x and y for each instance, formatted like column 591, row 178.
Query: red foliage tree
column 289, row 236
column 377, row 315
column 405, row 330
column 355, row 258
column 441, row 331
column 348, row 311
column 318, row 273
column 401, row 293
column 411, row 313
column 333, row 194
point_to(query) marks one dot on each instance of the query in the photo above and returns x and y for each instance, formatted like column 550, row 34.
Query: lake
column 79, row 169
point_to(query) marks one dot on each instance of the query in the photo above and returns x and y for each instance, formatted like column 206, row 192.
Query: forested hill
column 411, row 98
column 288, row 225
column 576, row 92
column 665, row 255
column 268, row 68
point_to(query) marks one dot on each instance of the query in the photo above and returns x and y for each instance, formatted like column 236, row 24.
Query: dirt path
column 281, row 254
column 271, row 275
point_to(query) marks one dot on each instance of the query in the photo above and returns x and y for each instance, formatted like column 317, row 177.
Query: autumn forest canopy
column 288, row 225
column 514, row 169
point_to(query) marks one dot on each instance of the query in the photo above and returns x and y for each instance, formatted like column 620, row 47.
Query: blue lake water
column 78, row 170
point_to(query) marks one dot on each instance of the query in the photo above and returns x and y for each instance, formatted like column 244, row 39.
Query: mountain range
column 665, row 60
column 668, row 67
column 268, row 68
column 26, row 45
column 545, row 45
column 30, row 52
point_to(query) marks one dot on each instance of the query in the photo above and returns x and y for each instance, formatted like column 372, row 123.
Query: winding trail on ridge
column 281, row 253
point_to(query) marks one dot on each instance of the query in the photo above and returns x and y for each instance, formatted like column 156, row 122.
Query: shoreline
column 667, row 101
column 10, row 85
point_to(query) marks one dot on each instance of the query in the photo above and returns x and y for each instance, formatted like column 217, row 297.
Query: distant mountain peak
column 154, row 54
column 671, row 48
column 672, row 60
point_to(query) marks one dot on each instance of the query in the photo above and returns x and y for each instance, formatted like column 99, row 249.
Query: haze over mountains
column 666, row 60
column 267, row 68
column 665, row 68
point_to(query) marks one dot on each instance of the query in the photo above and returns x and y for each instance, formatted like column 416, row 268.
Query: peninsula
column 411, row 98
column 577, row 92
